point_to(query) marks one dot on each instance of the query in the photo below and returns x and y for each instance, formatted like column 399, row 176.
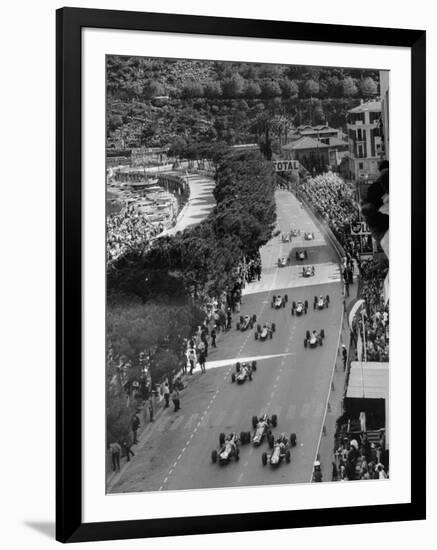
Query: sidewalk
column 335, row 400
column 146, row 426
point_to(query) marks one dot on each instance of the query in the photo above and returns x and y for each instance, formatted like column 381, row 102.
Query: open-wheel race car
column 262, row 427
column 279, row 301
column 282, row 262
column 308, row 271
column 228, row 449
column 308, row 236
column 298, row 308
column 265, row 331
column 314, row 338
column 280, row 452
column 243, row 372
column 321, row 302
column 286, row 237
column 301, row 254
column 245, row 322
column 294, row 232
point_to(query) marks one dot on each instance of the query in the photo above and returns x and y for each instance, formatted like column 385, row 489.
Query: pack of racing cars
column 279, row 301
column 299, row 308
column 314, row 338
column 321, row 302
column 243, row 371
column 265, row 331
column 280, row 448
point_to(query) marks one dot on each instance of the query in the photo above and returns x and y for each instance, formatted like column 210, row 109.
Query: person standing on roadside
column 213, row 337
column 344, row 355
column 115, row 449
column 166, row 393
column 202, row 361
column 135, row 426
column 191, row 359
column 127, row 450
column 175, row 397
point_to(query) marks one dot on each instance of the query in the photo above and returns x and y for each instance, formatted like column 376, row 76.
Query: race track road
column 290, row 381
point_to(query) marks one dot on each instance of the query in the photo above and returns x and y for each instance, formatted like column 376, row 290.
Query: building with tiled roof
column 316, row 154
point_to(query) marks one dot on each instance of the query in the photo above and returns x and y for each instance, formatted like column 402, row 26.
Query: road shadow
column 46, row 528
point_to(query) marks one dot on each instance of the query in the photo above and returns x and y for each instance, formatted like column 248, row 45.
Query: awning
column 368, row 380
column 353, row 309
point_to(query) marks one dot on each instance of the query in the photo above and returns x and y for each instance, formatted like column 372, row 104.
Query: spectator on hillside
column 135, row 427
column 127, row 450
column 175, row 397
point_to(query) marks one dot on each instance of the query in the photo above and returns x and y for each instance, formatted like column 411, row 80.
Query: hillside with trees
column 157, row 102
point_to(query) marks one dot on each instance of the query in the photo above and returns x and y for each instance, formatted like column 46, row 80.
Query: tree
column 192, row 89
column 368, row 87
column 318, row 114
column 311, row 88
column 252, row 90
column 153, row 88
column 233, row 87
column 212, row 89
column 270, row 89
column 349, row 87
column 289, row 88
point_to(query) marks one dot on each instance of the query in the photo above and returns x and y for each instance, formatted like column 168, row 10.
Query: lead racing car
column 299, row 308
column 262, row 427
column 308, row 271
column 308, row 236
column 228, row 449
column 281, row 451
column 279, row 301
column 245, row 322
column 301, row 255
column 243, row 372
column 321, row 302
column 265, row 331
column 314, row 338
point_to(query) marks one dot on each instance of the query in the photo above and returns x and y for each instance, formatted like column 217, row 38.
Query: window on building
column 361, row 165
column 374, row 117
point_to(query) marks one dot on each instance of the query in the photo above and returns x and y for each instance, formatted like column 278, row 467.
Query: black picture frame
column 69, row 524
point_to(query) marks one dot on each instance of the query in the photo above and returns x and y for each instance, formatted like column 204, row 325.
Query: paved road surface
column 291, row 381
column 199, row 205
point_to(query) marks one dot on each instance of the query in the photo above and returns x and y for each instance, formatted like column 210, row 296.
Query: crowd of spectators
column 125, row 230
column 333, row 200
column 356, row 458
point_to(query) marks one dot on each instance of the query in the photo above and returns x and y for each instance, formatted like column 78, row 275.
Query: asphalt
column 290, row 381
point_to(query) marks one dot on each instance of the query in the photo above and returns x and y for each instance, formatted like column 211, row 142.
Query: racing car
column 286, row 237
column 279, row 301
column 321, row 302
column 301, row 255
column 297, row 308
column 282, row 262
column 265, row 331
column 314, row 338
column 262, row 429
column 246, row 322
column 308, row 236
column 281, row 451
column 243, row 372
column 294, row 232
column 228, row 448
column 308, row 271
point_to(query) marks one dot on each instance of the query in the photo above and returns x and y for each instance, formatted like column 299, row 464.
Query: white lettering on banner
column 286, row 165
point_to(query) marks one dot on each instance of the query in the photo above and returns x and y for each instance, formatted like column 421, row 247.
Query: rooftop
column 368, row 106
column 305, row 143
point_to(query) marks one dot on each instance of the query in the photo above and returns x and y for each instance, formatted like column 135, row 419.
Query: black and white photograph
column 247, row 274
